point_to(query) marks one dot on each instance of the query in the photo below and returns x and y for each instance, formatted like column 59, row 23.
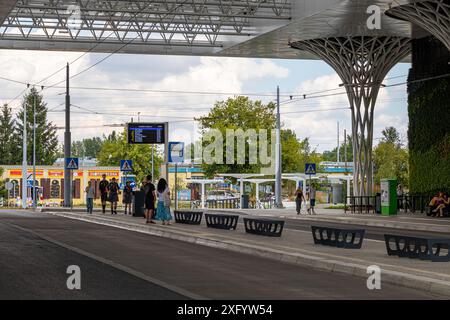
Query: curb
column 430, row 285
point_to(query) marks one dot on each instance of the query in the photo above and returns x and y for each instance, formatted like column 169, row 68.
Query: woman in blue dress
column 163, row 208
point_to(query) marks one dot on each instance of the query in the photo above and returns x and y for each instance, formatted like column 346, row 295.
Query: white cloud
column 206, row 74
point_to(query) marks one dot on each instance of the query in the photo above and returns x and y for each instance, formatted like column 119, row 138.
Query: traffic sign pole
column 176, row 186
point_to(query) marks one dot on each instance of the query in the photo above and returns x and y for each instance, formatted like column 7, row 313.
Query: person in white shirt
column 90, row 193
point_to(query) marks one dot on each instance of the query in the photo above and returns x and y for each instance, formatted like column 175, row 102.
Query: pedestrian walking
column 299, row 198
column 312, row 199
column 103, row 186
column 113, row 189
column 163, row 208
column 149, row 196
column 90, row 193
column 127, row 197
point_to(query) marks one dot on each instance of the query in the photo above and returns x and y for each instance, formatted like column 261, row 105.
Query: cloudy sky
column 96, row 111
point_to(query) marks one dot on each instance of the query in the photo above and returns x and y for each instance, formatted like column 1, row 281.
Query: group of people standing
column 162, row 194
column 110, row 190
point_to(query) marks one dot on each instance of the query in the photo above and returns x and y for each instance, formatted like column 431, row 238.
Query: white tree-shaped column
column 362, row 62
column 431, row 15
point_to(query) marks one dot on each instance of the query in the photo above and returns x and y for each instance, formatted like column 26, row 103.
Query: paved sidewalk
column 295, row 247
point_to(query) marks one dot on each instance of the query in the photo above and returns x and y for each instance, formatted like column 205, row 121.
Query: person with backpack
column 163, row 207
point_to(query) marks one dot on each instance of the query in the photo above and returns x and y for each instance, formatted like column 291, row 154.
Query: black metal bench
column 188, row 217
column 433, row 249
column 221, row 221
column 269, row 228
column 340, row 238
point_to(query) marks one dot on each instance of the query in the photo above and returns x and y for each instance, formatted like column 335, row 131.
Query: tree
column 8, row 143
column 117, row 149
column 291, row 154
column 46, row 137
column 237, row 113
column 391, row 135
column 391, row 161
column 308, row 155
column 88, row 147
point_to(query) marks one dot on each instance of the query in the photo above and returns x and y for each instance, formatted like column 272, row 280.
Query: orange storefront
column 50, row 180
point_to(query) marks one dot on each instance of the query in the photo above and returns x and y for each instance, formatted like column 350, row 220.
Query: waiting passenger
column 437, row 205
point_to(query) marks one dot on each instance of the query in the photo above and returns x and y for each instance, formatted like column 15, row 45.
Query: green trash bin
column 388, row 197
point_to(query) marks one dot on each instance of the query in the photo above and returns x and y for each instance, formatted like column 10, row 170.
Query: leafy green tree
column 46, row 136
column 8, row 143
column 391, row 161
column 114, row 150
column 391, row 135
column 87, row 147
column 308, row 155
column 291, row 154
column 237, row 113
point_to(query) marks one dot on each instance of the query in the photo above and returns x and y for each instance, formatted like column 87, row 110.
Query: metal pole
column 34, row 153
column 24, row 157
column 67, row 146
column 153, row 168
column 338, row 155
column 345, row 149
column 278, row 169
column 176, row 194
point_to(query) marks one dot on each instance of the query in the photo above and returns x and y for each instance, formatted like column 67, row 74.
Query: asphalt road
column 36, row 249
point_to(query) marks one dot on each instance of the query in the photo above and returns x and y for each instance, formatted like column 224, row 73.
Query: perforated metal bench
column 188, row 217
column 269, row 228
column 340, row 238
column 221, row 221
column 433, row 249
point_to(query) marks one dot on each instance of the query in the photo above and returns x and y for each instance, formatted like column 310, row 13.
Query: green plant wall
column 429, row 136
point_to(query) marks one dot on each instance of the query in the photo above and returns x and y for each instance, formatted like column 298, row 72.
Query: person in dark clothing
column 103, row 186
column 299, row 198
column 127, row 196
column 113, row 189
column 150, row 196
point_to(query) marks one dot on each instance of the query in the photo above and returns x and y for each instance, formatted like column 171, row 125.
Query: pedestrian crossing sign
column 310, row 168
column 72, row 163
column 126, row 165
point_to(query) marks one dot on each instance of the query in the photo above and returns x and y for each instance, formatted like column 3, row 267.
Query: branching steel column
column 431, row 15
column 362, row 63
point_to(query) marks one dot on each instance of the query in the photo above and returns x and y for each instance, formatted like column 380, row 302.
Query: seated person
column 437, row 205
